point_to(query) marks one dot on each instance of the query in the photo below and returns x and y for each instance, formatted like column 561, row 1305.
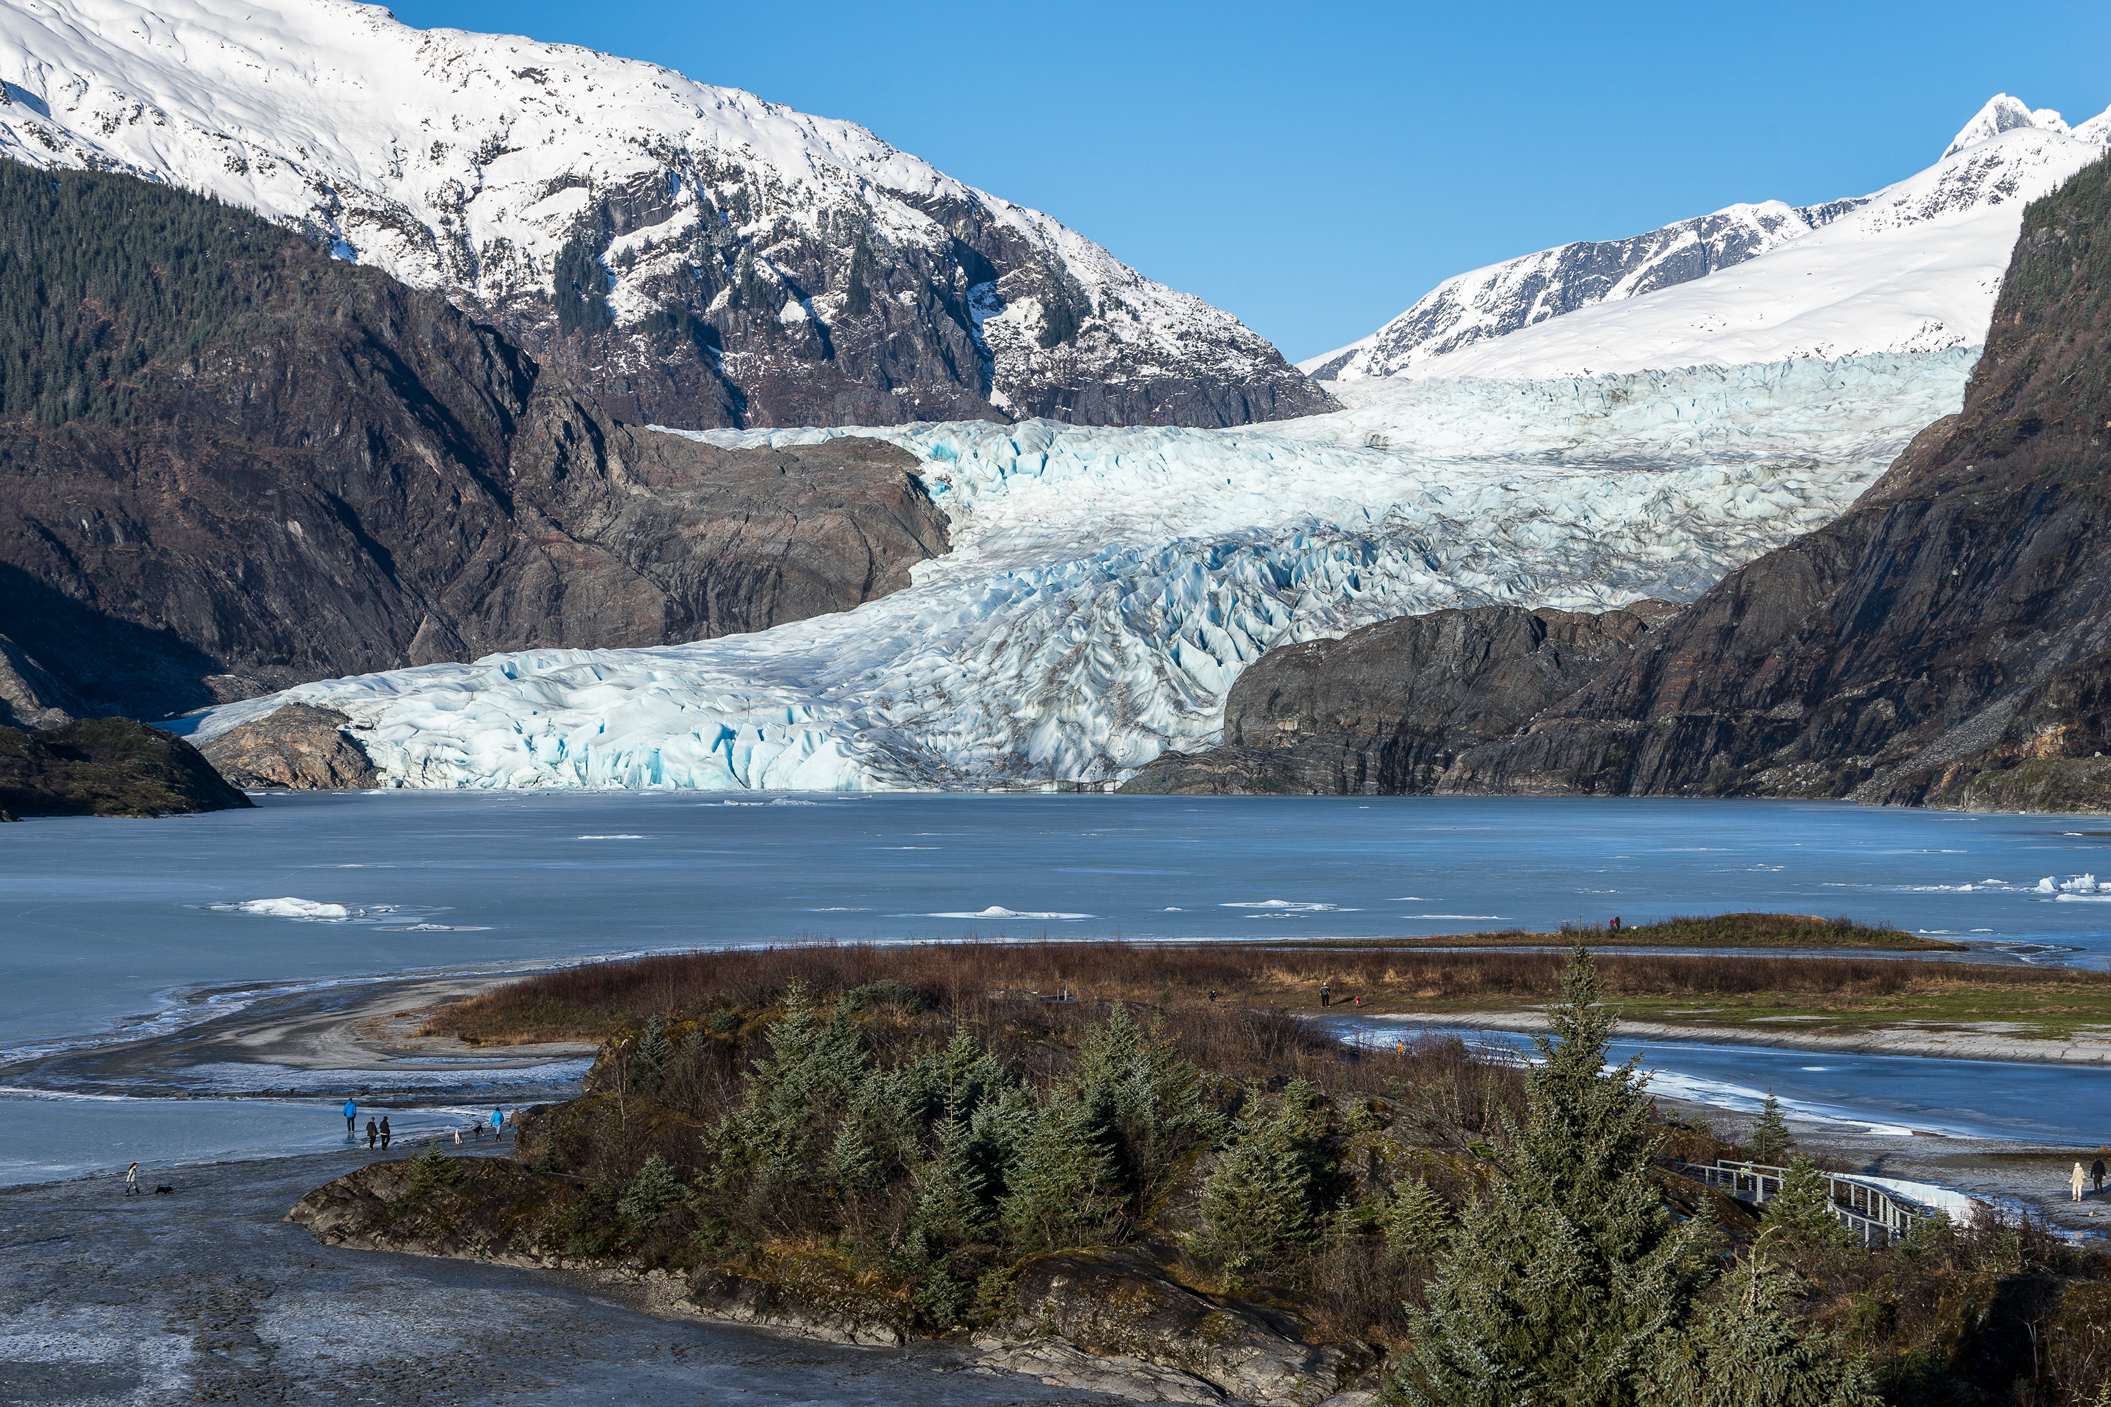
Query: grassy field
column 979, row 981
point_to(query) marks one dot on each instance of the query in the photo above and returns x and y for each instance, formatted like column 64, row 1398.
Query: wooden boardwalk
column 1874, row 1215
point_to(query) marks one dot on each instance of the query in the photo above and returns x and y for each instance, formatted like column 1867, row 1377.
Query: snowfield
column 1913, row 268
column 1108, row 585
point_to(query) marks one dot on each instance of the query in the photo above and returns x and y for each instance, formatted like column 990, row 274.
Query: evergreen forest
column 104, row 276
column 1482, row 1231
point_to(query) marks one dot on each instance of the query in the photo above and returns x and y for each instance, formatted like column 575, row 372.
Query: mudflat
column 207, row 1295
column 371, row 1027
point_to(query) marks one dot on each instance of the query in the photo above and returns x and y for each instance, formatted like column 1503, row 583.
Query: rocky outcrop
column 1944, row 641
column 1389, row 708
column 357, row 476
column 299, row 747
column 107, row 767
column 1120, row 1301
column 31, row 696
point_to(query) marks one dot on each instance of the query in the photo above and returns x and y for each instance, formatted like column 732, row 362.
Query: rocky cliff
column 106, row 767
column 1389, row 708
column 1946, row 641
column 311, row 470
column 688, row 255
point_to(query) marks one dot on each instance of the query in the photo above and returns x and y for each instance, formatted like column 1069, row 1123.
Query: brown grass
column 1747, row 930
column 985, row 983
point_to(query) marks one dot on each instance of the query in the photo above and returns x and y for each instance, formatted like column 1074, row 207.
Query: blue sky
column 1316, row 169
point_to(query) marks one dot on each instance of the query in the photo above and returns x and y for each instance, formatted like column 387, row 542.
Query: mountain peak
column 693, row 255
column 2002, row 114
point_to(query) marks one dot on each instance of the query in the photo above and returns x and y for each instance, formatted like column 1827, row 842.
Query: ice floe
column 310, row 909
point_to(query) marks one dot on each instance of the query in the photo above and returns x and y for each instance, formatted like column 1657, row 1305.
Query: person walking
column 2078, row 1180
column 2096, row 1171
column 373, row 1134
column 498, row 1123
column 132, row 1181
column 384, row 1131
column 1326, row 993
column 351, row 1113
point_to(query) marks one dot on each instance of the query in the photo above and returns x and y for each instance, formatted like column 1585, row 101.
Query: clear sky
column 1315, row 169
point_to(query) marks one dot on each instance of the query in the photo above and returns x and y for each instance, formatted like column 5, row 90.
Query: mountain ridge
column 689, row 255
column 1661, row 299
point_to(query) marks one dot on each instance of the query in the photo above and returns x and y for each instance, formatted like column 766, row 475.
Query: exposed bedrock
column 1388, row 709
column 298, row 747
column 31, row 696
column 1946, row 641
column 357, row 477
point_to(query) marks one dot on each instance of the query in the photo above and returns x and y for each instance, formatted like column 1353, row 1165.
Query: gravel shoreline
column 208, row 1295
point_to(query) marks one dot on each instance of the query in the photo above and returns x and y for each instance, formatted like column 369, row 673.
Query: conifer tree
column 1745, row 1351
column 1417, row 1220
column 1063, row 1189
column 1147, row 1101
column 1770, row 1140
column 649, row 1060
column 1800, row 1214
column 652, row 1194
column 784, row 1131
column 1567, row 1284
column 1261, row 1201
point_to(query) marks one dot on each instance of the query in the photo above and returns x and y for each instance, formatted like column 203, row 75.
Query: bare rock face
column 297, row 747
column 1388, row 709
column 365, row 478
column 1944, row 641
column 1120, row 1302
column 30, row 695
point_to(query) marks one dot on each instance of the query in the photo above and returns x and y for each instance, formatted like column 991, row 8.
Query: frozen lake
column 108, row 925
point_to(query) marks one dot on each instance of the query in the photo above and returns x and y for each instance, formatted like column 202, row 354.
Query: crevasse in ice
column 1107, row 585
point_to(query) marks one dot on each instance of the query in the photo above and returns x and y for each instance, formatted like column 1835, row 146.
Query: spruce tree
column 1146, row 1099
column 783, row 1135
column 1770, row 1139
column 1063, row 1189
column 1417, row 1220
column 1262, row 1199
column 1800, row 1214
column 1745, row 1351
column 1568, row 1284
column 649, row 1060
column 652, row 1194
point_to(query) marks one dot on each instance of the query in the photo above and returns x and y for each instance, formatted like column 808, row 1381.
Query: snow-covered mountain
column 1914, row 267
column 1106, row 586
column 693, row 254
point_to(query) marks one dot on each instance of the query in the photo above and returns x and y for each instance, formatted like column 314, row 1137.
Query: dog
column 164, row 1189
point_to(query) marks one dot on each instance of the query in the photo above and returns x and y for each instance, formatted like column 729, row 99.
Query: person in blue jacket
column 498, row 1123
column 351, row 1113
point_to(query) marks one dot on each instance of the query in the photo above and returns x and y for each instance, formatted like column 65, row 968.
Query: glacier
column 1107, row 585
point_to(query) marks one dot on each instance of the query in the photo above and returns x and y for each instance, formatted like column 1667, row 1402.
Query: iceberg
column 1107, row 585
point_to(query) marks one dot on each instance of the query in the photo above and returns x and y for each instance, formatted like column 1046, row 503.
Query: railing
column 1874, row 1215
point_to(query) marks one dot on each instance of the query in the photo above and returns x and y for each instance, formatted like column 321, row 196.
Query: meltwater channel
column 111, row 928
